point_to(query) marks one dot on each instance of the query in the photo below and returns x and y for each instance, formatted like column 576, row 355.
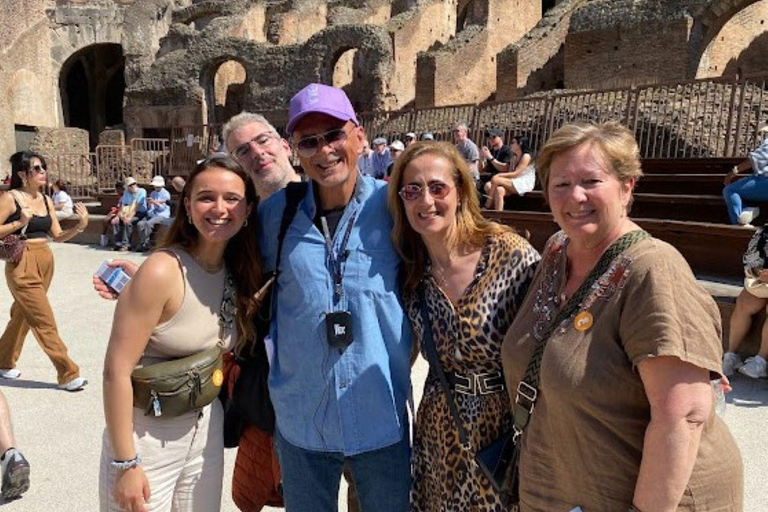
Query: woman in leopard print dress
column 474, row 274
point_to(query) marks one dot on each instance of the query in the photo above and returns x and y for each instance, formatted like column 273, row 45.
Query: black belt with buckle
column 476, row 383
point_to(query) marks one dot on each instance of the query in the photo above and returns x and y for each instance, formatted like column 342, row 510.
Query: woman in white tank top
column 172, row 309
column 519, row 179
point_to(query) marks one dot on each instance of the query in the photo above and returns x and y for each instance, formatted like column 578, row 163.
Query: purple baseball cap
column 320, row 98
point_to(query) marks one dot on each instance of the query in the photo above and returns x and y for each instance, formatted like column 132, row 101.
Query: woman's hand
column 104, row 291
column 25, row 216
column 82, row 211
column 131, row 489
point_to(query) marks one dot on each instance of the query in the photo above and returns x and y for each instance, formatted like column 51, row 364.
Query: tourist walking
column 466, row 277
column 25, row 210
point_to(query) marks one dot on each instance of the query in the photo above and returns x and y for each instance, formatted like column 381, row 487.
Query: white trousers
column 182, row 457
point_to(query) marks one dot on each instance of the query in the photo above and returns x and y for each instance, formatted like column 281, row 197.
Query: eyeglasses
column 308, row 146
column 437, row 189
column 262, row 140
column 39, row 168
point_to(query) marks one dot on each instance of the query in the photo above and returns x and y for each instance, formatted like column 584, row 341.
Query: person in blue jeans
column 131, row 209
column 751, row 188
column 158, row 211
column 340, row 371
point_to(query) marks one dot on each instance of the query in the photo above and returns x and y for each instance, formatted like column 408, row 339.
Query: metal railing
column 708, row 118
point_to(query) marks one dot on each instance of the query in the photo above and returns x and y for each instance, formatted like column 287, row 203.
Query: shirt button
column 343, row 384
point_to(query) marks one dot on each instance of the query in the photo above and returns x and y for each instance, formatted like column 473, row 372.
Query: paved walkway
column 60, row 433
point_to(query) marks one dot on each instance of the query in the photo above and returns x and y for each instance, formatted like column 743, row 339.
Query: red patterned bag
column 11, row 248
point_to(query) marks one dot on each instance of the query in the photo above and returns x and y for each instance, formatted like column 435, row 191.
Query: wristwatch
column 126, row 464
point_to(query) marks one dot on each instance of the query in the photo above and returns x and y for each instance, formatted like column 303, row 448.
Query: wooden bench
column 711, row 249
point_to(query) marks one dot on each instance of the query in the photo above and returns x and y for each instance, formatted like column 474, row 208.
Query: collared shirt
column 160, row 210
column 326, row 399
column 759, row 159
column 381, row 163
column 140, row 198
column 365, row 164
column 471, row 154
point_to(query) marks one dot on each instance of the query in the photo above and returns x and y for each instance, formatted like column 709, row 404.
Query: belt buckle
column 485, row 386
column 465, row 385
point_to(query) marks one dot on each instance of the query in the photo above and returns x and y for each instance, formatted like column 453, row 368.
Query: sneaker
column 748, row 215
column 754, row 367
column 15, row 474
column 74, row 385
column 12, row 373
column 731, row 363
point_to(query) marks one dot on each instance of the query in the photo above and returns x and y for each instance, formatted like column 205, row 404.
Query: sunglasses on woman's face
column 437, row 189
column 38, row 168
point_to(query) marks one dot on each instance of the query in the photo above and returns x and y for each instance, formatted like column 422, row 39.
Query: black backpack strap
column 294, row 193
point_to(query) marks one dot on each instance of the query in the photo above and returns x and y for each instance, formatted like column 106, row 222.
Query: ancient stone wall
column 740, row 46
column 537, row 61
column 614, row 43
column 27, row 84
column 464, row 70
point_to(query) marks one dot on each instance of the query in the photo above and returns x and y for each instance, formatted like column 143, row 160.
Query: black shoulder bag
column 250, row 402
column 499, row 460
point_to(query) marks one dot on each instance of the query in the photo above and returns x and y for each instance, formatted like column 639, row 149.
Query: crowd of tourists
column 283, row 314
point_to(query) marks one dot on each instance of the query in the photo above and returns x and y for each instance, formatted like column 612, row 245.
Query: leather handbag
column 12, row 245
column 176, row 387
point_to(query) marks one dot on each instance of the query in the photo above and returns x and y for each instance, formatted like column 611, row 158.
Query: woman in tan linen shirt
column 624, row 417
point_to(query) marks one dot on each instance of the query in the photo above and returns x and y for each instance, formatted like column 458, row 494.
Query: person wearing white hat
column 410, row 138
column 751, row 188
column 159, row 211
column 395, row 149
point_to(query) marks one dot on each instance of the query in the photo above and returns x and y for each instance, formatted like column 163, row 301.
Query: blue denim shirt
column 327, row 399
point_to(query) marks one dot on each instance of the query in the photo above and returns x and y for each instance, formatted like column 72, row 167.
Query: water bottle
column 717, row 390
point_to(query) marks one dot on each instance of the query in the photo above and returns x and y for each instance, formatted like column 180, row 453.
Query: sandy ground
column 60, row 433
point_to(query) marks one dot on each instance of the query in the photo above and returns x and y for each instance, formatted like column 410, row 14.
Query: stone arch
column 25, row 99
column 373, row 61
column 346, row 71
column 709, row 22
column 225, row 89
column 92, row 88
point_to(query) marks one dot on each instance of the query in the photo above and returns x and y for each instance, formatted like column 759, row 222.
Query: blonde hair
column 616, row 144
column 471, row 227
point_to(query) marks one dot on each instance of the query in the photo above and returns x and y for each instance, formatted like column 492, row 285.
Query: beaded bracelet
column 126, row 464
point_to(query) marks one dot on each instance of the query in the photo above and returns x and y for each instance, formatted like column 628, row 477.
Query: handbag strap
column 527, row 389
column 434, row 363
column 14, row 195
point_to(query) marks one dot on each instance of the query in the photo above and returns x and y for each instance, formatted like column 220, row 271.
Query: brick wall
column 621, row 55
column 537, row 61
column 740, row 46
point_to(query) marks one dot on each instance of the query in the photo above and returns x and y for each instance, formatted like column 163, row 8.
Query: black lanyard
column 335, row 260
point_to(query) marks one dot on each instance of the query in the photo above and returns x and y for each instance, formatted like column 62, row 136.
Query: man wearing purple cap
column 340, row 374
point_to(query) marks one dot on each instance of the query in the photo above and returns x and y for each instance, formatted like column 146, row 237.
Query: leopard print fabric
column 467, row 337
